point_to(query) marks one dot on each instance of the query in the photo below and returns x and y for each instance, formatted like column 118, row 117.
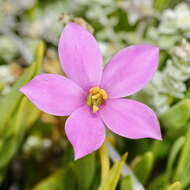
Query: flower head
column 92, row 96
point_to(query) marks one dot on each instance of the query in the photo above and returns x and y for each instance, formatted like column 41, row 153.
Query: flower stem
column 104, row 159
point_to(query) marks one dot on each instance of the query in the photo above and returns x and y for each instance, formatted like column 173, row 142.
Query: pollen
column 95, row 98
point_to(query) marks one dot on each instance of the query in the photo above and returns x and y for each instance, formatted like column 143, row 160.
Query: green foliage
column 175, row 186
column 143, row 167
column 111, row 179
column 177, row 116
column 76, row 175
column 34, row 151
column 173, row 156
column 15, row 123
column 126, row 183
column 11, row 101
column 184, row 158
column 59, row 180
column 84, row 170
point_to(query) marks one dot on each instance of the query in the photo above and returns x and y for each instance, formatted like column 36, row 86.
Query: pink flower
column 92, row 96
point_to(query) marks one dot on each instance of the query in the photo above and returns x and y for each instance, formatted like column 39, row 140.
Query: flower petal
column 85, row 131
column 54, row 94
column 130, row 70
column 80, row 56
column 131, row 119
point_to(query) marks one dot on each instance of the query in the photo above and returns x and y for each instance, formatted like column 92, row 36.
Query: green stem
column 104, row 159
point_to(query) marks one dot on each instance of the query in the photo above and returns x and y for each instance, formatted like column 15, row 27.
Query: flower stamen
column 96, row 97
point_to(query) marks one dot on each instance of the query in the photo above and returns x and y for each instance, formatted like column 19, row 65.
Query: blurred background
column 34, row 152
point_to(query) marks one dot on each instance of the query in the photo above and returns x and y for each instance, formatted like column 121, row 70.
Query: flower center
column 96, row 97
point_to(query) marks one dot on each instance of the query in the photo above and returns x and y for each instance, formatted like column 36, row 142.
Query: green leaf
column 177, row 116
column 60, row 180
column 144, row 166
column 126, row 183
column 160, row 5
column 173, row 156
column 158, row 183
column 26, row 115
column 184, row 178
column 11, row 101
column 175, row 186
column 184, row 157
column 112, row 178
column 84, row 170
column 17, row 114
column 104, row 160
column 79, row 173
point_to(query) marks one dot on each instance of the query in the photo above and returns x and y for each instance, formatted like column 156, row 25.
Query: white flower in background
column 104, row 48
column 45, row 25
column 163, row 40
column 31, row 143
column 138, row 9
column 6, row 78
column 107, row 50
column 182, row 52
column 87, row 2
column 5, row 74
column 14, row 7
column 176, row 72
column 7, row 48
column 177, row 19
column 102, row 12
column 171, row 81
column 25, row 4
column 173, row 27
column 36, row 145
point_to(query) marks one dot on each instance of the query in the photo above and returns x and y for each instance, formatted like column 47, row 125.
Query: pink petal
column 80, row 56
column 54, row 94
column 130, row 70
column 85, row 131
column 131, row 119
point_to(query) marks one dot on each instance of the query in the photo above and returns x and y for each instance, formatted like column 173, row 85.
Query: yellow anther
column 94, row 90
column 95, row 98
column 104, row 94
column 89, row 100
column 95, row 108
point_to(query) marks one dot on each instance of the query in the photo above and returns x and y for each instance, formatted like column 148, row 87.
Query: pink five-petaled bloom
column 92, row 96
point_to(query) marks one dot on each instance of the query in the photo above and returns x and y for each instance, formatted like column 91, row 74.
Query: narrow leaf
column 184, row 157
column 175, row 186
column 173, row 156
column 104, row 159
column 127, row 183
column 177, row 116
column 144, row 166
column 84, row 170
column 59, row 180
column 11, row 101
column 112, row 178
